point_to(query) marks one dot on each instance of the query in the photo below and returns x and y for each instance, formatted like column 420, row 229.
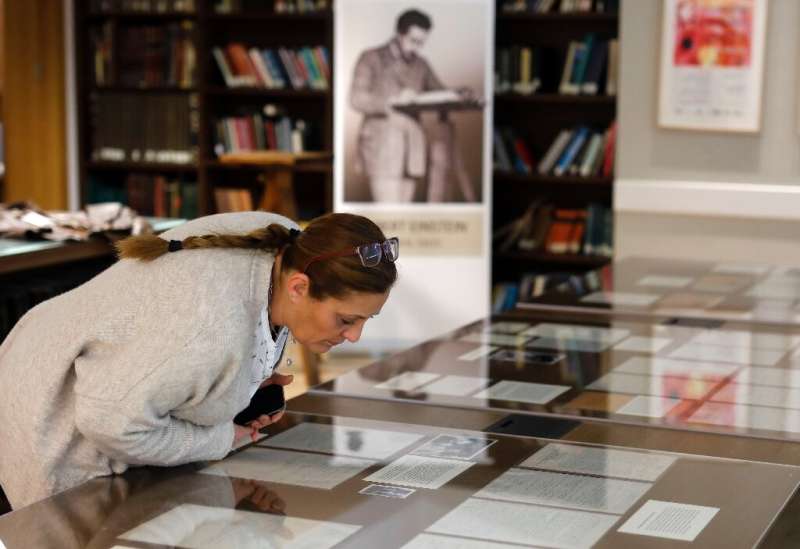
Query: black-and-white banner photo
column 412, row 148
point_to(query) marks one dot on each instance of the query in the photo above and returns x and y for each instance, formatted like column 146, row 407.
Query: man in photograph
column 394, row 151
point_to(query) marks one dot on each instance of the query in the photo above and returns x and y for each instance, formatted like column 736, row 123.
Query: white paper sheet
column 435, row 541
column 670, row 520
column 666, row 281
column 565, row 490
column 607, row 462
column 668, row 387
column 396, row 492
column 295, row 468
column 776, row 288
column 495, row 339
column 751, row 417
column 420, row 472
column 478, row 352
column 200, row 527
column 520, row 391
column 501, row 521
column 507, row 327
column 642, row 344
column 648, row 406
column 778, row 377
column 742, row 268
column 577, row 331
column 722, row 353
column 758, row 395
column 343, row 440
column 580, row 345
column 743, row 338
column 455, row 446
column 670, row 367
column 407, row 381
column 621, row 299
column 457, row 385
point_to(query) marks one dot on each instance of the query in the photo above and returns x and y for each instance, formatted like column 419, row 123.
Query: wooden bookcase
column 537, row 119
column 261, row 28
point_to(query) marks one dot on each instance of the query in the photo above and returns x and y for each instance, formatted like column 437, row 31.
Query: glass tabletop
column 732, row 379
column 321, row 481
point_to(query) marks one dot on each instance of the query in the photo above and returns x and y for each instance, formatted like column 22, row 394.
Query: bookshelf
column 536, row 119
column 201, row 86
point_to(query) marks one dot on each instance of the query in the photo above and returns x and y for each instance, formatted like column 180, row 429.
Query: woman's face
column 321, row 325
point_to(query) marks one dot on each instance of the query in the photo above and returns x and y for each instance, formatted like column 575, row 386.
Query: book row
column 576, row 152
column 144, row 128
column 146, row 56
column 531, row 285
column 562, row 6
column 280, row 68
column 588, row 67
column 267, row 131
column 280, row 6
column 151, row 195
column 142, row 6
column 544, row 227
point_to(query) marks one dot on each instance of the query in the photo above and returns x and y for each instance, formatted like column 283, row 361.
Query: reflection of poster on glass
column 412, row 150
column 712, row 59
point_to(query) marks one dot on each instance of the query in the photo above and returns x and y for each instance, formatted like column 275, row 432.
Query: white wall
column 702, row 195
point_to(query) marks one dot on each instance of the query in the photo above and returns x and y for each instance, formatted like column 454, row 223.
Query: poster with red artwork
column 712, row 60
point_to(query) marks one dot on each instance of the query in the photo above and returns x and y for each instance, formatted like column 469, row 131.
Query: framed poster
column 712, row 64
column 412, row 150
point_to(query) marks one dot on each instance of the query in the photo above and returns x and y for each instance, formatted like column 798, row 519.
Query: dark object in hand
column 266, row 402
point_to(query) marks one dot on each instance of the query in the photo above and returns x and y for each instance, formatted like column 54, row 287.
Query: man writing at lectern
column 393, row 149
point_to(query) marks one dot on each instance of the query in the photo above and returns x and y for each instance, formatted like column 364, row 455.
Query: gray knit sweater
column 142, row 365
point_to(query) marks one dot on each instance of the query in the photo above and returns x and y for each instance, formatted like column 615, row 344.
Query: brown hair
column 334, row 277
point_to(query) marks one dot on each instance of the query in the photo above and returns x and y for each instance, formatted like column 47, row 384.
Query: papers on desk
column 622, row 299
column 407, row 381
column 670, row 520
column 648, row 406
column 607, row 462
column 669, row 367
column 665, row 281
column 295, row 468
column 343, row 440
column 746, row 339
column 577, row 331
column 520, row 391
column 565, row 490
column 456, row 385
column 741, row 268
column 778, row 377
column 454, row 446
column 420, row 472
column 200, row 527
column 506, row 522
column 727, row 353
column 777, row 397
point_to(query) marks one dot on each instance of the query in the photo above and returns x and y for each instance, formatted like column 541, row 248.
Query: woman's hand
column 278, row 379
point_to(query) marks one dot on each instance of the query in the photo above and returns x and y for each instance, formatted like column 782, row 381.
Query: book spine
column 572, row 149
column 554, row 152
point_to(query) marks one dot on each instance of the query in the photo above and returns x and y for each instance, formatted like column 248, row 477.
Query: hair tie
column 293, row 234
column 174, row 246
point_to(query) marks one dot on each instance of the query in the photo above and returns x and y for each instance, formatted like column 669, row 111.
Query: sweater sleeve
column 139, row 426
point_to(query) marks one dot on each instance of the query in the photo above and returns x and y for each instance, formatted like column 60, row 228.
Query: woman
column 149, row 362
